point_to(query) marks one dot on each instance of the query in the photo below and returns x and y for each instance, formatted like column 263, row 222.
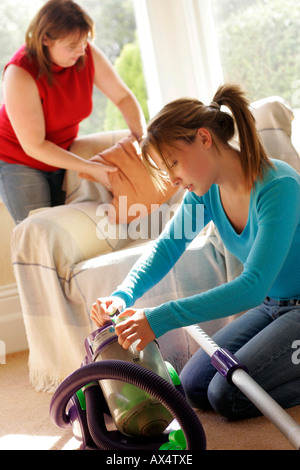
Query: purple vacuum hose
column 136, row 375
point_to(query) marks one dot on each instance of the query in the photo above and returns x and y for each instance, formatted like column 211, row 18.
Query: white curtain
column 179, row 50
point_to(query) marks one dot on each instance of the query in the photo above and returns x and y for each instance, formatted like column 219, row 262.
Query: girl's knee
column 196, row 397
column 220, row 397
column 229, row 401
column 195, row 388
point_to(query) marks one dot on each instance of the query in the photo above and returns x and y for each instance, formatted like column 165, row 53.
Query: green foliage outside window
column 116, row 36
column 129, row 67
column 259, row 44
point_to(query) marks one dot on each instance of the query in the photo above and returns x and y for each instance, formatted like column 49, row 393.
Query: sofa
column 65, row 257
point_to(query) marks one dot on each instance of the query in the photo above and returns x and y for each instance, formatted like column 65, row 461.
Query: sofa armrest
column 273, row 118
column 62, row 236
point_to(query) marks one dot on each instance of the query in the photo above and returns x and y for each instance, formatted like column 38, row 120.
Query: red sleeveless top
column 65, row 104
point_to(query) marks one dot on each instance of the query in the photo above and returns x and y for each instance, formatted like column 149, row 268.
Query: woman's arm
column 26, row 115
column 110, row 84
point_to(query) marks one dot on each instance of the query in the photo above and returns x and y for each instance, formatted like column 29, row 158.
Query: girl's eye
column 174, row 163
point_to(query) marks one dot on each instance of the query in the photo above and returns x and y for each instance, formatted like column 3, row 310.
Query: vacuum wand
column 236, row 373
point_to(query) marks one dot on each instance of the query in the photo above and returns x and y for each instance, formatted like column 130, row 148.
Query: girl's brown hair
column 180, row 120
column 56, row 19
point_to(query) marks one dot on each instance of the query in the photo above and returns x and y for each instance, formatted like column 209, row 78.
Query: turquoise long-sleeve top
column 268, row 247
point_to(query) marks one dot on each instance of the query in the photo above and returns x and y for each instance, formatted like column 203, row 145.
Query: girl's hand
column 104, row 308
column 134, row 328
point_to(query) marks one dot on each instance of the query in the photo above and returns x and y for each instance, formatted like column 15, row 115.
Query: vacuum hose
column 136, row 375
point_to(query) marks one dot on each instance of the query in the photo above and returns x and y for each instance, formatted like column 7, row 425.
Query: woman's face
column 190, row 166
column 66, row 51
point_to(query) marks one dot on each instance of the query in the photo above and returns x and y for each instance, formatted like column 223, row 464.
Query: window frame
column 192, row 66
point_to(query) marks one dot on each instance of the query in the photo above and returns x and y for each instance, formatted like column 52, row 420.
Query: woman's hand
column 130, row 147
column 134, row 328
column 99, row 171
column 104, row 308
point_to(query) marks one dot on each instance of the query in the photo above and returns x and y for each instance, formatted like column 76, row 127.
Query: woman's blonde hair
column 180, row 120
column 56, row 20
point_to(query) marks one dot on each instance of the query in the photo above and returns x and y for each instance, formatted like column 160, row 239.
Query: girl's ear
column 205, row 137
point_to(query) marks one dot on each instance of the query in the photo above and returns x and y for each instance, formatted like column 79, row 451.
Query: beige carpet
column 25, row 422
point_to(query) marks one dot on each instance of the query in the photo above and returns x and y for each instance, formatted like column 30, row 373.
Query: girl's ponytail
column 254, row 159
column 181, row 119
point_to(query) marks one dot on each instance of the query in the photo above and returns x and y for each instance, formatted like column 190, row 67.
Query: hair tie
column 213, row 104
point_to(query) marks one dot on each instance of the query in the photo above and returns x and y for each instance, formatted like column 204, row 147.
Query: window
column 115, row 35
column 189, row 47
column 259, row 45
column 179, row 50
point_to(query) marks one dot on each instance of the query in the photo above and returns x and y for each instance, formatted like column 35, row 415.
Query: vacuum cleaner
column 130, row 400
column 126, row 400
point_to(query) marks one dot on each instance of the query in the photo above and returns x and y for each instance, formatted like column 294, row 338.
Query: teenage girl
column 255, row 204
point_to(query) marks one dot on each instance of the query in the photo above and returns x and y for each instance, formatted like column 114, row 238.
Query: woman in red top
column 48, row 88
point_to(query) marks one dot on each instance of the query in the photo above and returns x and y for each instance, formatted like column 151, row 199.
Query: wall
column 7, row 224
column 12, row 331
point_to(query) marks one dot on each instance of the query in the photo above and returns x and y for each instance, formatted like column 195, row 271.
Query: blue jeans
column 23, row 189
column 262, row 339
